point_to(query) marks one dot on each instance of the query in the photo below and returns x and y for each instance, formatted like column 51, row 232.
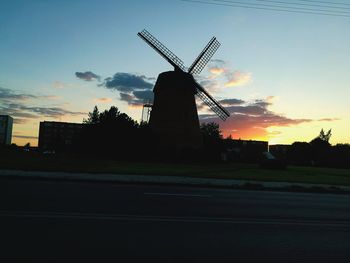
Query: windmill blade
column 162, row 50
column 214, row 105
column 204, row 57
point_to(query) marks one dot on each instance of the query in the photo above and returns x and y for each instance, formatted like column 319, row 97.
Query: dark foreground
column 56, row 221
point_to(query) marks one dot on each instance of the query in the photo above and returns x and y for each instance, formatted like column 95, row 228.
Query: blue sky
column 297, row 63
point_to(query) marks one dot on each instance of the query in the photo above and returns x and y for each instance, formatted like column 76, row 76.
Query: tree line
column 115, row 135
column 317, row 152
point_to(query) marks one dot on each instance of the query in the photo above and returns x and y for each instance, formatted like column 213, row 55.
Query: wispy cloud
column 216, row 71
column 50, row 97
column 329, row 119
column 60, row 85
column 230, row 77
column 238, row 78
column 103, row 100
column 54, row 112
column 20, row 106
column 8, row 95
column 23, row 113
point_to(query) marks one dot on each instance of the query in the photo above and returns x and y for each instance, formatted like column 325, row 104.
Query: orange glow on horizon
column 248, row 134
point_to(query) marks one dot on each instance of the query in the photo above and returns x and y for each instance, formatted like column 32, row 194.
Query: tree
column 211, row 131
column 322, row 140
column 340, row 156
column 212, row 140
column 110, row 134
column 93, row 117
column 300, row 153
column 325, row 136
column 321, row 148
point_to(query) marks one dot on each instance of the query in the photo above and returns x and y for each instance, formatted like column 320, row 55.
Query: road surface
column 61, row 221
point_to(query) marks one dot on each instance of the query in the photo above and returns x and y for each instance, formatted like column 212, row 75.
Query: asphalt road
column 57, row 221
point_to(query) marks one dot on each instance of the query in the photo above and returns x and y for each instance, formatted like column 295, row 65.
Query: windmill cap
column 175, row 80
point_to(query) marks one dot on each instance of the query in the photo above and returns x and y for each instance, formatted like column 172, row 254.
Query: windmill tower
column 174, row 117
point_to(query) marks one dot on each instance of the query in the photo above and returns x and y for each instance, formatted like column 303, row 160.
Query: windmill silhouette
column 174, row 116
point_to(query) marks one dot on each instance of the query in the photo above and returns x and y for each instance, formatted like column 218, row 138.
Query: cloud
column 231, row 102
column 49, row 97
column 58, row 84
column 137, row 98
column 250, row 120
column 144, row 95
column 87, row 76
column 19, row 110
column 225, row 102
column 126, row 97
column 230, row 77
column 9, row 95
column 133, row 89
column 221, row 75
column 61, row 85
column 18, row 106
column 208, row 83
column 237, row 78
column 54, row 112
column 19, row 121
column 127, row 82
column 217, row 67
column 103, row 100
column 329, row 119
column 216, row 71
column 263, row 103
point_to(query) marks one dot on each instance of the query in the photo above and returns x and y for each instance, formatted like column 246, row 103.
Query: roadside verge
column 176, row 180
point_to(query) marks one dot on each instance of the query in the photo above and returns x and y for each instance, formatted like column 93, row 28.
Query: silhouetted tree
column 212, row 140
column 93, row 117
column 321, row 149
column 317, row 152
column 300, row 153
column 340, row 156
column 325, row 136
column 109, row 134
column 211, row 131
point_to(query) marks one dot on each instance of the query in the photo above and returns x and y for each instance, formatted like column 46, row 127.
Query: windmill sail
column 204, row 57
column 196, row 67
column 212, row 103
column 162, row 50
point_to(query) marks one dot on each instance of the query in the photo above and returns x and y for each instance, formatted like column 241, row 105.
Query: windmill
column 174, row 117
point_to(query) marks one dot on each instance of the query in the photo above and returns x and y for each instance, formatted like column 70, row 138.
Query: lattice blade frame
column 169, row 56
column 214, row 105
column 203, row 58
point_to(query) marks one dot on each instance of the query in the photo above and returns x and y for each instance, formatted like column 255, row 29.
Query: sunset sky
column 282, row 75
